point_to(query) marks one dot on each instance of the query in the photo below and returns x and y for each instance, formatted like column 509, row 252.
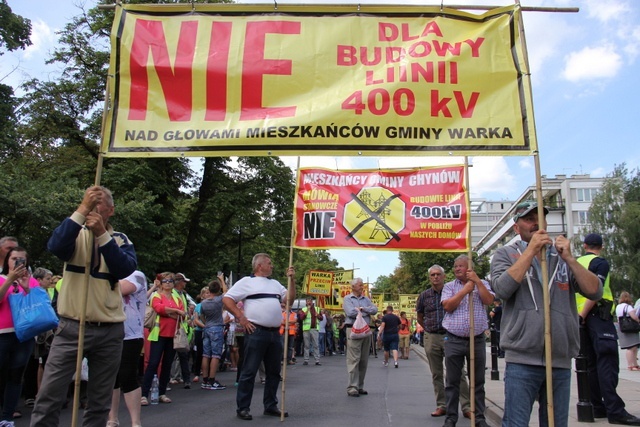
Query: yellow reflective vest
column 585, row 260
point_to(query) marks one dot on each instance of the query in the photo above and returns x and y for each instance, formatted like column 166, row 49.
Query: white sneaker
column 385, row 363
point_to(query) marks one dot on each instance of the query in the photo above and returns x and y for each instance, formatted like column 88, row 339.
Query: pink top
column 6, row 321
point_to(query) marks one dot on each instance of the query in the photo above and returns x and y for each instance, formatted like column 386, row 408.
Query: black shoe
column 363, row 391
column 449, row 423
column 627, row 420
column 244, row 415
column 274, row 412
column 318, row 364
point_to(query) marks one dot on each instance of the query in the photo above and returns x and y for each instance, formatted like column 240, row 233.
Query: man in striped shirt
column 430, row 314
column 457, row 323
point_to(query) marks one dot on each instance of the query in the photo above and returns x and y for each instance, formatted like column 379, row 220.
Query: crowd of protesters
column 166, row 338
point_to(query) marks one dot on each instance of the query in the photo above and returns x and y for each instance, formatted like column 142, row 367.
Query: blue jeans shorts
column 212, row 342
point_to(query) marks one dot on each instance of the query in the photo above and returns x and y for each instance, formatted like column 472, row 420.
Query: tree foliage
column 615, row 214
column 195, row 216
column 15, row 31
column 412, row 275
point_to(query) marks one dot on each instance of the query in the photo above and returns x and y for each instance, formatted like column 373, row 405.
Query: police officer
column 602, row 346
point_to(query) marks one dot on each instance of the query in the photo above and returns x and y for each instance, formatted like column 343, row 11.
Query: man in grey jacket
column 516, row 279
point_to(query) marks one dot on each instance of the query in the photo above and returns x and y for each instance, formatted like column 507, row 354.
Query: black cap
column 593, row 239
column 524, row 208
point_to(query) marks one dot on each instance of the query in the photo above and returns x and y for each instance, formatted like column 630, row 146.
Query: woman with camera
column 14, row 355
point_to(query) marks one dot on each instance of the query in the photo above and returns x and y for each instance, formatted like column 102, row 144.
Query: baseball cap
column 593, row 239
column 524, row 208
column 183, row 277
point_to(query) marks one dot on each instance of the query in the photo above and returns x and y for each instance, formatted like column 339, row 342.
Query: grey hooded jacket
column 522, row 327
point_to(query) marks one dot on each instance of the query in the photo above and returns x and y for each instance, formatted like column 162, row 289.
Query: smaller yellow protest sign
column 319, row 283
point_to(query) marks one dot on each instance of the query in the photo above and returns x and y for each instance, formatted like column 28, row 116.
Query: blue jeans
column 261, row 345
column 14, row 356
column 322, row 340
column 523, row 384
column 213, row 342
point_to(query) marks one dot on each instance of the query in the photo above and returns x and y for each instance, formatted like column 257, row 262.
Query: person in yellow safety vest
column 601, row 347
column 293, row 322
column 311, row 317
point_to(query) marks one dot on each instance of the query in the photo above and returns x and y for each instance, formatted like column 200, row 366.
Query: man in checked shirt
column 455, row 301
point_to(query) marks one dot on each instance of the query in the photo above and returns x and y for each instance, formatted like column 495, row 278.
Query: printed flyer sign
column 423, row 209
column 319, row 282
column 227, row 80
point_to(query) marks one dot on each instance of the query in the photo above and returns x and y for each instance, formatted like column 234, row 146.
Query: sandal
column 164, row 399
column 113, row 423
column 144, row 401
column 634, row 368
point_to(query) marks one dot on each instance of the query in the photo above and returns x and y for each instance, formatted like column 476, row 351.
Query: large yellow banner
column 220, row 80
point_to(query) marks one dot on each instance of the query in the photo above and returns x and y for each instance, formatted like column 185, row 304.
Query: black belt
column 464, row 338
column 274, row 329
column 99, row 324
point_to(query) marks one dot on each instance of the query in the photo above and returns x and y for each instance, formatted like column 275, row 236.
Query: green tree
column 615, row 214
column 15, row 33
column 412, row 275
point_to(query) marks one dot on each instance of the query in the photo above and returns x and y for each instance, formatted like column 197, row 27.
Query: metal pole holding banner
column 286, row 321
column 472, row 329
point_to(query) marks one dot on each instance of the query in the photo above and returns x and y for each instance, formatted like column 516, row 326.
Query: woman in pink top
column 14, row 354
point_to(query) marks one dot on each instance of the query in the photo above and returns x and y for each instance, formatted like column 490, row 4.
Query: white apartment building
column 484, row 215
column 568, row 200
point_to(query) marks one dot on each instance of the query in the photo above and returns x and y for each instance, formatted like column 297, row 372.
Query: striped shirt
column 457, row 322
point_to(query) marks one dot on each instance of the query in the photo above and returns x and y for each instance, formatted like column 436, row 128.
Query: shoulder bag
column 180, row 338
column 150, row 317
column 627, row 324
column 32, row 313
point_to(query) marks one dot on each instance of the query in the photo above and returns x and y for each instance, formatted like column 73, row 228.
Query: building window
column 586, row 194
column 583, row 217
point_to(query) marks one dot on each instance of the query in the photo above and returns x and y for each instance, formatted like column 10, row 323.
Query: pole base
column 495, row 375
column 585, row 412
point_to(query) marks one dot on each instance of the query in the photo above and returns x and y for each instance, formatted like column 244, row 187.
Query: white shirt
column 264, row 311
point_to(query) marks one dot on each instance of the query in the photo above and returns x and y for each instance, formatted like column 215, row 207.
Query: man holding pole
column 517, row 280
column 261, row 321
column 86, row 238
column 455, row 300
column 430, row 314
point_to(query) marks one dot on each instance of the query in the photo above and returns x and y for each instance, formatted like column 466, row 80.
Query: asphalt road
column 315, row 396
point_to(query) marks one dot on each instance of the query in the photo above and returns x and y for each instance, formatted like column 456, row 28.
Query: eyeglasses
column 435, row 274
column 168, row 281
